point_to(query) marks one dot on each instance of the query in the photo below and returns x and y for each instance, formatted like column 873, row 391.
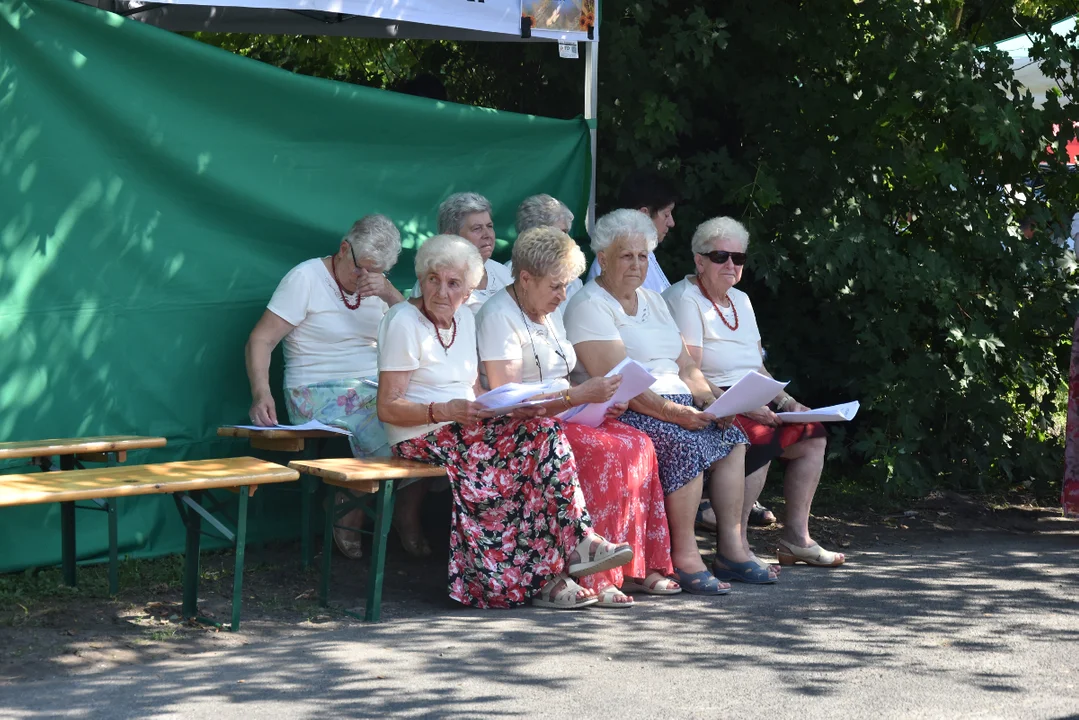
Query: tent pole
column 591, row 105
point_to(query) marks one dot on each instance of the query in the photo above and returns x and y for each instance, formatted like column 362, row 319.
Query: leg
column 67, row 542
column 193, row 521
column 806, row 461
column 726, row 488
column 754, row 485
column 681, row 513
column 238, row 571
column 383, row 512
column 406, row 518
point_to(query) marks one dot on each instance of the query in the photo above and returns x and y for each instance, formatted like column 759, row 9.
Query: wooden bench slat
column 73, row 446
column 366, row 470
column 70, row 485
column 275, row 434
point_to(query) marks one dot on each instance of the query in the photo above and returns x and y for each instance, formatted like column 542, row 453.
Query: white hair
column 622, row 224
column 545, row 250
column 450, row 251
column 542, row 210
column 454, row 209
column 375, row 238
column 719, row 228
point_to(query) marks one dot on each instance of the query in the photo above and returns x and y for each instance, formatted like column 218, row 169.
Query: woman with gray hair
column 613, row 318
column 519, row 528
column 468, row 215
column 721, row 334
column 522, row 339
column 327, row 310
column 545, row 211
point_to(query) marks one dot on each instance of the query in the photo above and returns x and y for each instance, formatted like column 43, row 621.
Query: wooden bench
column 185, row 481
column 72, row 453
column 370, row 484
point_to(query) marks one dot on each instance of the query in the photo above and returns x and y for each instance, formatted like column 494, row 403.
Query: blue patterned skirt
column 684, row 454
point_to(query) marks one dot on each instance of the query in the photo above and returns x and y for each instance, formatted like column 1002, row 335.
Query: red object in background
column 1072, row 147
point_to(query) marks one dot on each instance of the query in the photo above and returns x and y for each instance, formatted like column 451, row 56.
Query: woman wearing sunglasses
column 721, row 335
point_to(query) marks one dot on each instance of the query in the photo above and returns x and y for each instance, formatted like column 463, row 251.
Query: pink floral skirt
column 1069, row 496
column 518, row 512
column 619, row 475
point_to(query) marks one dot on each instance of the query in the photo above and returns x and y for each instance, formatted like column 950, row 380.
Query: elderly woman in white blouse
column 468, row 215
column 519, row 529
column 720, row 330
column 522, row 339
column 327, row 310
column 612, row 318
column 545, row 211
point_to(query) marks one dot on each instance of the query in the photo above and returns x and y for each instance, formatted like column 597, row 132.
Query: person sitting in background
column 328, row 310
column 652, row 194
column 545, row 211
column 468, row 215
column 520, row 529
column 613, row 318
column 522, row 339
column 720, row 330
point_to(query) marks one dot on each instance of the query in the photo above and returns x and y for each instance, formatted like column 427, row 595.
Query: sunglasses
column 720, row 256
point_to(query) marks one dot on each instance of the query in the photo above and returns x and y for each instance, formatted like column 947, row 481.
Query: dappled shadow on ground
column 938, row 606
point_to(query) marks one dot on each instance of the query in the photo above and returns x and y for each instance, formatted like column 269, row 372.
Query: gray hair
column 454, row 209
column 622, row 224
column 719, row 228
column 545, row 250
column 450, row 251
column 542, row 211
column 375, row 238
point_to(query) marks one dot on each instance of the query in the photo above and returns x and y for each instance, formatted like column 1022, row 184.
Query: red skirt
column 768, row 443
column 619, row 477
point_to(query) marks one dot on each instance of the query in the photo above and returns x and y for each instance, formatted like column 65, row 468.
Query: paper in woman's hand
column 750, row 393
column 504, row 399
column 635, row 380
column 832, row 413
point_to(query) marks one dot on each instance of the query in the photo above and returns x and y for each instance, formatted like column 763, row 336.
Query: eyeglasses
column 359, row 268
column 720, row 256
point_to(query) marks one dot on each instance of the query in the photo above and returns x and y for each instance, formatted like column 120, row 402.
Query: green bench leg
column 114, row 560
column 238, row 573
column 330, row 496
column 67, row 542
column 191, row 558
column 308, row 490
column 383, row 518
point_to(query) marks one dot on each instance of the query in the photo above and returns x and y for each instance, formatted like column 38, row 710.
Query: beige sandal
column 815, row 555
column 565, row 598
column 599, row 555
column 608, row 598
column 348, row 541
column 655, row 583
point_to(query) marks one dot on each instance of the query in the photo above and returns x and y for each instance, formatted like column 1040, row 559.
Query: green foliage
column 880, row 165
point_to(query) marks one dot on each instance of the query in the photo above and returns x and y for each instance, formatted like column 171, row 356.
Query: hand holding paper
column 751, row 392
column 504, row 399
column 635, row 380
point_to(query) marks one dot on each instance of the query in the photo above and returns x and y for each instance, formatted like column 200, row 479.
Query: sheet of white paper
column 506, row 396
column 310, row 425
column 635, row 380
column 832, row 413
column 751, row 392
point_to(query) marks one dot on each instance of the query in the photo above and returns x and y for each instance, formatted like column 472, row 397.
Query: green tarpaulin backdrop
column 154, row 190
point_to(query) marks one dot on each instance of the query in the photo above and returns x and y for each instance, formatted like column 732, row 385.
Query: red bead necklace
column 438, row 333
column 700, row 286
column 341, row 288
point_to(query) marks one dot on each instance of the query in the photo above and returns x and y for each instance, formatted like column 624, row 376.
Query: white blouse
column 505, row 333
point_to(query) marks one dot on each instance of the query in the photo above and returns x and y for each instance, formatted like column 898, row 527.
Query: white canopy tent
column 478, row 20
column 1027, row 70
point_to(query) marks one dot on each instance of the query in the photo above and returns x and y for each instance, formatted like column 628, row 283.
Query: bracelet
column 431, row 414
column 787, row 399
column 567, row 399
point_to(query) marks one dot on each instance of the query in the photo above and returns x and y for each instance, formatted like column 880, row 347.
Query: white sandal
column 655, row 583
column 608, row 598
column 789, row 554
column 565, row 598
column 604, row 556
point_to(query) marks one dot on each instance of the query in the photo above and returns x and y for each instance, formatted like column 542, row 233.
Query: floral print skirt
column 619, row 476
column 348, row 404
column 684, row 454
column 518, row 511
column 1069, row 496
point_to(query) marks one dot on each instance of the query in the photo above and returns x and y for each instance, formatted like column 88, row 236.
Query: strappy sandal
column 701, row 583
column 655, row 583
column 608, row 598
column 565, row 598
column 349, row 541
column 599, row 556
column 747, row 572
column 815, row 555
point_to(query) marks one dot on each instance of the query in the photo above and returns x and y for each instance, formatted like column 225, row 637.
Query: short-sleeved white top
column 655, row 279
column 406, row 341
column 651, row 337
column 571, row 287
column 726, row 355
column 506, row 333
column 498, row 277
column 328, row 341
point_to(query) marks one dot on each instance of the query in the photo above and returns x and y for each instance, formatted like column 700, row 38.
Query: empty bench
column 186, row 481
column 369, row 484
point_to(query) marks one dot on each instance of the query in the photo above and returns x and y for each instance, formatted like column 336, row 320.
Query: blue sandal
column 747, row 572
column 700, row 583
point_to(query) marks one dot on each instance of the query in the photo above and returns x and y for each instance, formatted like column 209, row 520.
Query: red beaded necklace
column 438, row 333
column 341, row 289
column 700, row 286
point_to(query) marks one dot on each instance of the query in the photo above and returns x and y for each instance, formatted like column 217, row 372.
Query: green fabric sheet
column 154, row 190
